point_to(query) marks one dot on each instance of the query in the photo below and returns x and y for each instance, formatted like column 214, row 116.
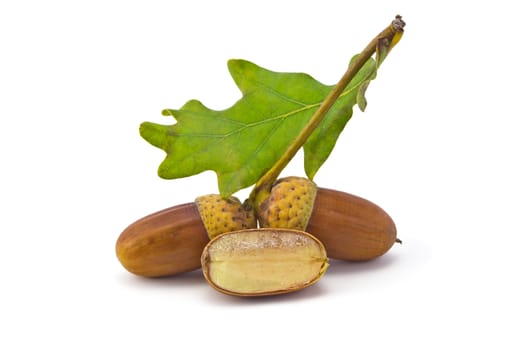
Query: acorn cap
column 289, row 204
column 220, row 215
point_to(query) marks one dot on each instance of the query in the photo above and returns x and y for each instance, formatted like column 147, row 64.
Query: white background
column 440, row 148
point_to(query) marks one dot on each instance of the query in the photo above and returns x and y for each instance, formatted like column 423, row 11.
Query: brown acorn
column 351, row 227
column 164, row 243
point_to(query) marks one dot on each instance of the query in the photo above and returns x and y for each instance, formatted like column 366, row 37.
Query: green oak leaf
column 243, row 141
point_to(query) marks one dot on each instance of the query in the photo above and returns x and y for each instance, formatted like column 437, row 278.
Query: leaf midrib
column 283, row 116
column 222, row 137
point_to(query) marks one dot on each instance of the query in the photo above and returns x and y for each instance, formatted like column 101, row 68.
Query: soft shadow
column 342, row 267
column 184, row 280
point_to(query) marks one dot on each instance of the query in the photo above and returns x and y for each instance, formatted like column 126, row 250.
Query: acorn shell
column 263, row 261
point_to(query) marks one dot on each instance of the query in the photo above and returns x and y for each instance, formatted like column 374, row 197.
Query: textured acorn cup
column 289, row 204
column 263, row 261
column 220, row 215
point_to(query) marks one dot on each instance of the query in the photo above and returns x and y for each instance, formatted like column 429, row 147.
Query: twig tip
column 398, row 23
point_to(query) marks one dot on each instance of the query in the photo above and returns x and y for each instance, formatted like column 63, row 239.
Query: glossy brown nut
column 164, row 243
column 351, row 228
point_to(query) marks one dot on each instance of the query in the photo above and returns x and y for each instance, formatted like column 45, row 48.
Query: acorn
column 264, row 261
column 164, row 243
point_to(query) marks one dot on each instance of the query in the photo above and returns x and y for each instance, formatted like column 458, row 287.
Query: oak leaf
column 243, row 141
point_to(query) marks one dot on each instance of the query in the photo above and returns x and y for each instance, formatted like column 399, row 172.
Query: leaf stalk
column 391, row 35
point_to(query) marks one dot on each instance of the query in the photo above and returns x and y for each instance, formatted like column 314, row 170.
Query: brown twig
column 262, row 187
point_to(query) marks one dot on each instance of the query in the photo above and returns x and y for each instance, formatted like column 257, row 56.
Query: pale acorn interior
column 261, row 262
